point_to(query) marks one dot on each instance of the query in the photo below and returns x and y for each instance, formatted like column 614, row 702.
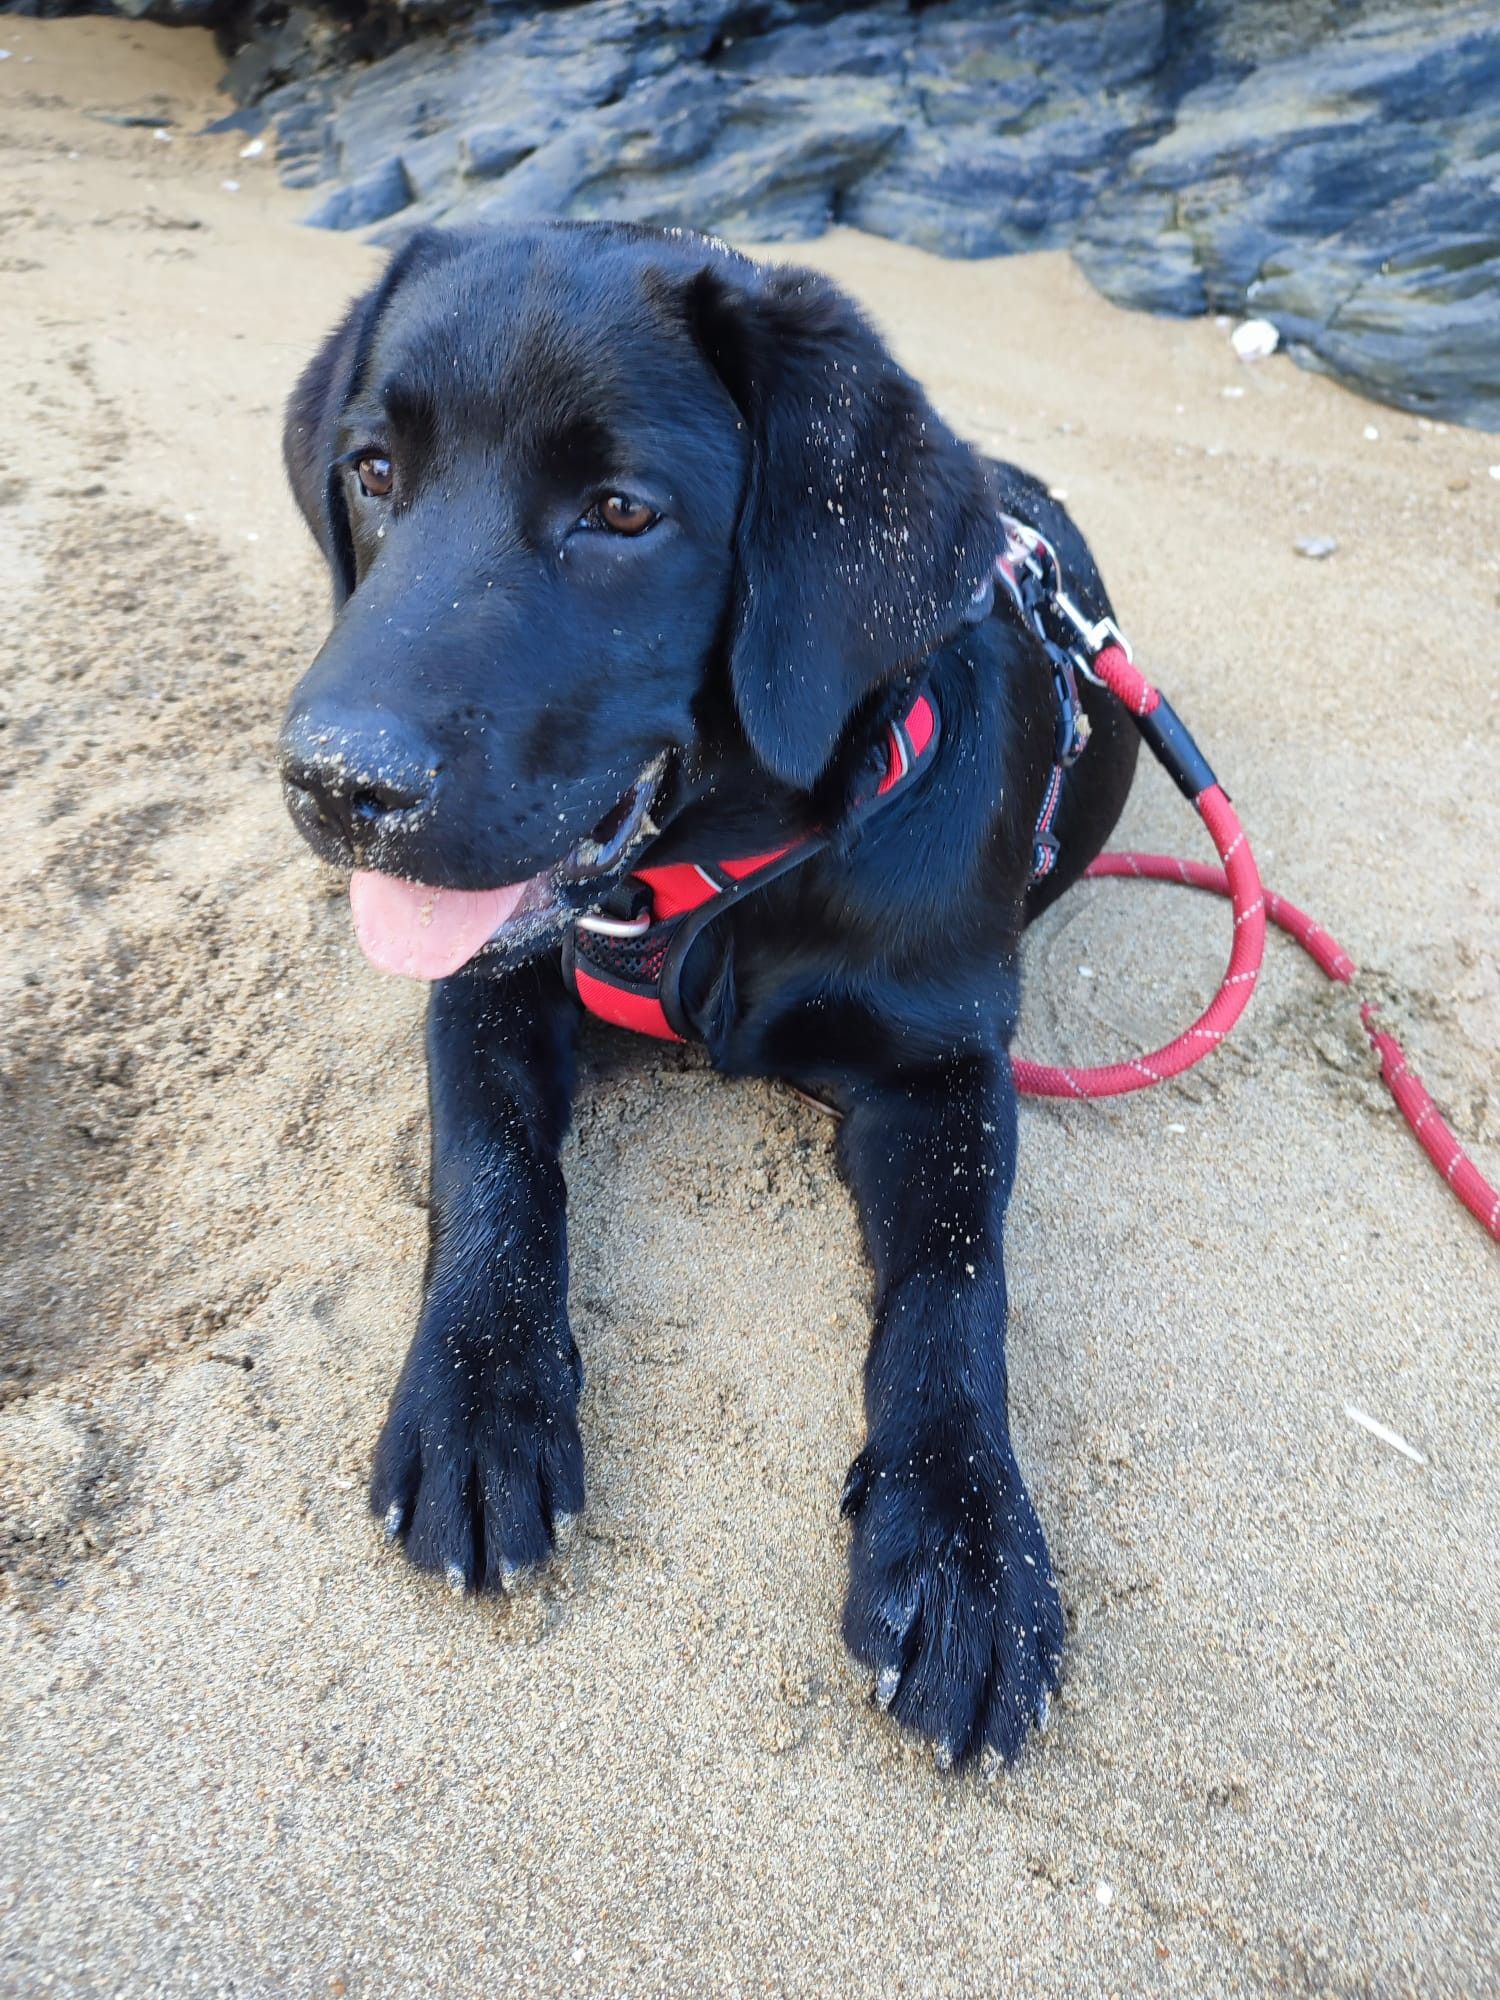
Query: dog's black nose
column 350, row 779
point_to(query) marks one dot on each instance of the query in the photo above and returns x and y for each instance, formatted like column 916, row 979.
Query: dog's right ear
column 322, row 390
column 318, row 401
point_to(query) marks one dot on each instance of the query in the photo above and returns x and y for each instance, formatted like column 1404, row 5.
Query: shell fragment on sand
column 1387, row 1436
column 1254, row 339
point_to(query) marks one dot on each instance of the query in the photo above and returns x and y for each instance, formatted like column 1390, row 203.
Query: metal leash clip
column 1096, row 634
column 1031, row 572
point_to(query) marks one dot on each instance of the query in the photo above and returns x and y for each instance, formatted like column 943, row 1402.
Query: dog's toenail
column 395, row 1514
column 943, row 1753
column 886, row 1683
column 458, row 1583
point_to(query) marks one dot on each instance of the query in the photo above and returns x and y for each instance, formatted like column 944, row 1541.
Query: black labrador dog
column 646, row 558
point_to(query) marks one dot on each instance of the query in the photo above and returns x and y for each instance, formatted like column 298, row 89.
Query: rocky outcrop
column 1349, row 192
column 1332, row 168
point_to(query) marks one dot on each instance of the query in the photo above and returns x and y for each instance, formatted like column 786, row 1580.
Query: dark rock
column 178, row 13
column 249, row 119
column 1020, row 116
column 1334, row 168
column 741, row 157
column 874, row 41
column 1435, row 298
column 490, row 150
column 1346, row 192
column 149, row 121
column 373, row 197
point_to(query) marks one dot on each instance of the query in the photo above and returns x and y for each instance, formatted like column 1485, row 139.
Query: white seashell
column 1254, row 339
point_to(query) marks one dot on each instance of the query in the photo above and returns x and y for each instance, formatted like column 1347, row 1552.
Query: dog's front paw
column 480, row 1461
column 951, row 1594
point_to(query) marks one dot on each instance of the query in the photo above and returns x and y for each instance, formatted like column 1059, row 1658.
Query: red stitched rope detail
column 1437, row 1142
column 1239, row 879
column 1125, row 680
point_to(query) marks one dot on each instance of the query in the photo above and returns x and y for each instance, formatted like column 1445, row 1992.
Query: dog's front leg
column 951, row 1595
column 480, row 1459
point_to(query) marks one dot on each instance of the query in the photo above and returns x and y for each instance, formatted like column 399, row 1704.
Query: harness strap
column 628, row 969
column 1028, row 569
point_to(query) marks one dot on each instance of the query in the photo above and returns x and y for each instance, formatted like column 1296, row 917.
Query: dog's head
column 592, row 498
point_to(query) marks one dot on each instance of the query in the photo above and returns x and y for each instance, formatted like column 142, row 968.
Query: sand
column 245, row 1750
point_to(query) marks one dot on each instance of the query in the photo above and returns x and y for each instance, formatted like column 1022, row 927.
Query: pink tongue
column 424, row 933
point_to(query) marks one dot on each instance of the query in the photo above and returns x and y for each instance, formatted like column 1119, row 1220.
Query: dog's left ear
column 867, row 527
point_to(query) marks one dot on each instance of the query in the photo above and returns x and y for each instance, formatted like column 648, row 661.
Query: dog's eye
column 376, row 475
column 624, row 516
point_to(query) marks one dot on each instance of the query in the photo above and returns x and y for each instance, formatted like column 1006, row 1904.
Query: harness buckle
column 1045, row 849
column 1096, row 634
column 1072, row 731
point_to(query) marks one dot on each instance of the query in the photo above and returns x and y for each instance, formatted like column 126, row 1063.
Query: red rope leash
column 1424, row 1118
column 1239, row 879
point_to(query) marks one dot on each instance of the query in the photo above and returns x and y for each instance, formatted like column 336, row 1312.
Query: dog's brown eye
column 623, row 516
column 376, row 475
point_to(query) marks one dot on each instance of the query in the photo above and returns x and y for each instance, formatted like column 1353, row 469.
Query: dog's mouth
column 424, row 932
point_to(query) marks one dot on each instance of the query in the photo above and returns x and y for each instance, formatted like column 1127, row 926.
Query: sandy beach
column 243, row 1748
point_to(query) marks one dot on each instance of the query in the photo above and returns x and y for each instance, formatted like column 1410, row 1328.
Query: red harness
column 627, row 969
